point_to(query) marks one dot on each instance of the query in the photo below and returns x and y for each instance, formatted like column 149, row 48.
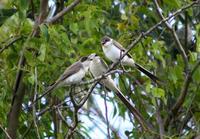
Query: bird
column 71, row 76
column 113, row 50
column 98, row 68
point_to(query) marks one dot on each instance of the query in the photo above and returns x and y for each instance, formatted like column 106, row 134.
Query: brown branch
column 18, row 95
column 41, row 18
column 179, row 45
column 10, row 43
column 183, row 93
column 175, row 108
column 64, row 11
column 19, row 88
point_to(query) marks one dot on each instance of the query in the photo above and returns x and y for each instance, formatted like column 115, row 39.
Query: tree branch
column 183, row 93
column 179, row 45
column 18, row 95
column 64, row 11
column 10, row 43
column 34, row 109
column 19, row 88
column 141, row 35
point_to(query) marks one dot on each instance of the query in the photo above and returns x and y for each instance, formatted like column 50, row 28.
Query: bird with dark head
column 71, row 76
column 114, row 51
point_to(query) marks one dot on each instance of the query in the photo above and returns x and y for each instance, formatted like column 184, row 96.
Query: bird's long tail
column 147, row 73
column 133, row 110
column 132, row 63
column 109, row 83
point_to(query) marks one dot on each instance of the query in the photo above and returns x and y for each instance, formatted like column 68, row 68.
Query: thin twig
column 189, row 74
column 10, row 43
column 102, row 76
column 62, row 117
column 27, row 130
column 179, row 45
column 183, row 93
column 34, row 108
column 64, row 11
column 106, row 115
column 75, row 123
column 159, row 120
column 8, row 136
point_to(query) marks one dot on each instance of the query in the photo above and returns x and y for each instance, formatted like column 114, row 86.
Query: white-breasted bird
column 114, row 51
column 98, row 67
column 71, row 76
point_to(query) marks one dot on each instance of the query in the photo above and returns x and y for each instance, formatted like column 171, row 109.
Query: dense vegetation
column 38, row 43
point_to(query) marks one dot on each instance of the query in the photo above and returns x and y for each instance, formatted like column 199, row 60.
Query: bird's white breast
column 114, row 53
column 96, row 68
column 75, row 78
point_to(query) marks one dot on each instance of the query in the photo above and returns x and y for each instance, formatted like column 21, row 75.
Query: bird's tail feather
column 147, row 73
column 133, row 110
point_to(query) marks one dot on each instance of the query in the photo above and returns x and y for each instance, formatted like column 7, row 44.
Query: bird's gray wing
column 74, row 68
column 118, row 45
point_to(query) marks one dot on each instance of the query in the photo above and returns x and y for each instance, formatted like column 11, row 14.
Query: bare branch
column 64, row 11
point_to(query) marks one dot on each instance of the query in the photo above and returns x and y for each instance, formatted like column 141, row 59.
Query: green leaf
column 23, row 4
column 158, row 92
column 44, row 31
column 74, row 28
column 31, row 79
column 42, row 52
column 198, row 37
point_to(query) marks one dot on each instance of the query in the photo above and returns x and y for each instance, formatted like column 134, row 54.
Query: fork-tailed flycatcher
column 114, row 51
column 71, row 76
column 98, row 67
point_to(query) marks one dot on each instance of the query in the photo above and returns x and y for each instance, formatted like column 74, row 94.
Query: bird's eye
column 105, row 39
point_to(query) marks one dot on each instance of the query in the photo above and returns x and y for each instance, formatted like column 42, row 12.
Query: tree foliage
column 35, row 51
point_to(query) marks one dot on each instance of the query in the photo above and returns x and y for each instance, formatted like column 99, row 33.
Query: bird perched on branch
column 71, row 76
column 98, row 67
column 114, row 52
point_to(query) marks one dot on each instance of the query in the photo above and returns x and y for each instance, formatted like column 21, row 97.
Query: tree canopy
column 40, row 39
